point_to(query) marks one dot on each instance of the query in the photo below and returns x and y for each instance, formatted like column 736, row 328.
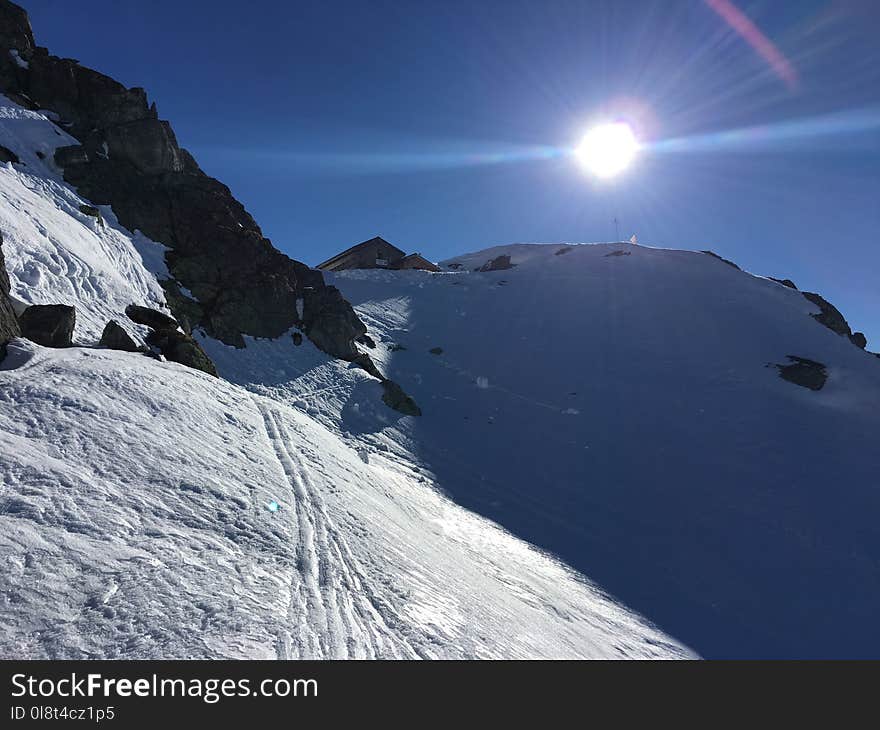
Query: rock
column 395, row 347
column 367, row 340
column 181, row 348
column 297, row 339
column 366, row 362
column 499, row 263
column 150, row 318
column 395, row 397
column 50, row 325
column 804, row 372
column 436, row 350
column 562, row 251
column 330, row 322
column 785, row 282
column 829, row 315
column 721, row 258
column 455, row 265
column 7, row 155
column 618, row 253
column 90, row 210
column 115, row 337
column 9, row 326
column 859, row 339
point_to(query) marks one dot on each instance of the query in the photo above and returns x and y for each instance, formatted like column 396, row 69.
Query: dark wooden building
column 376, row 253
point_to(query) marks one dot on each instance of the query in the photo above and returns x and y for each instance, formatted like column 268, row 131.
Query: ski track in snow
column 332, row 623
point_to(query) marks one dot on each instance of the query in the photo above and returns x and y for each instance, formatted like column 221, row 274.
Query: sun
column 608, row 149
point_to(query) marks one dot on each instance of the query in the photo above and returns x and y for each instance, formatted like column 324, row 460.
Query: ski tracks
column 332, row 613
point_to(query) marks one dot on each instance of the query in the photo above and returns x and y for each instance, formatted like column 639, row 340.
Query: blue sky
column 444, row 127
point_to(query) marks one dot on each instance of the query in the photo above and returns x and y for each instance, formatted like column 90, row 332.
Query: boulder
column 499, row 263
column 9, row 326
column 115, row 337
column 436, row 350
column 50, row 325
column 297, row 338
column 804, row 372
column 150, row 318
column 181, row 348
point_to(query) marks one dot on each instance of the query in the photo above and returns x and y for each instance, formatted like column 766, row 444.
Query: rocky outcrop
column 9, row 326
column 394, row 397
column 804, row 372
column 785, row 282
column 830, row 317
column 130, row 159
column 114, row 337
column 50, row 325
column 167, row 339
column 722, row 259
column 499, row 263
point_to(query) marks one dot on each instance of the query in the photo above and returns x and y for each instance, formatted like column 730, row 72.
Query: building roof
column 375, row 240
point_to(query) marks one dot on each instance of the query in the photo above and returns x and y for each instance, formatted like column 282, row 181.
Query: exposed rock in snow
column 804, row 372
column 50, row 325
column 115, row 337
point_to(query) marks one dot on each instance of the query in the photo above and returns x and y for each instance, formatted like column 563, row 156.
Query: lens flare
column 608, row 149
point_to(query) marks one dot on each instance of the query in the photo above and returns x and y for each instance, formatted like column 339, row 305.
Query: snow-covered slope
column 56, row 253
column 149, row 510
column 619, row 406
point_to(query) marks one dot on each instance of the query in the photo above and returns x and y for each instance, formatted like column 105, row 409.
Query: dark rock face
column 394, row 397
column 130, row 159
column 368, row 341
column 90, row 210
column 563, row 251
column 436, row 350
column 50, row 325
column 785, row 282
column 7, row 155
column 721, row 258
column 181, row 348
column 115, row 337
column 176, row 346
column 297, row 339
column 499, row 263
column 9, row 326
column 150, row 317
column 804, row 372
column 829, row 315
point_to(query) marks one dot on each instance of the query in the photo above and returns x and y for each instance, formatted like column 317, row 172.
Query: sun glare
column 608, row 149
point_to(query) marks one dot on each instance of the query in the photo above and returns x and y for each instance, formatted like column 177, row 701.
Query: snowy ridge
column 57, row 254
